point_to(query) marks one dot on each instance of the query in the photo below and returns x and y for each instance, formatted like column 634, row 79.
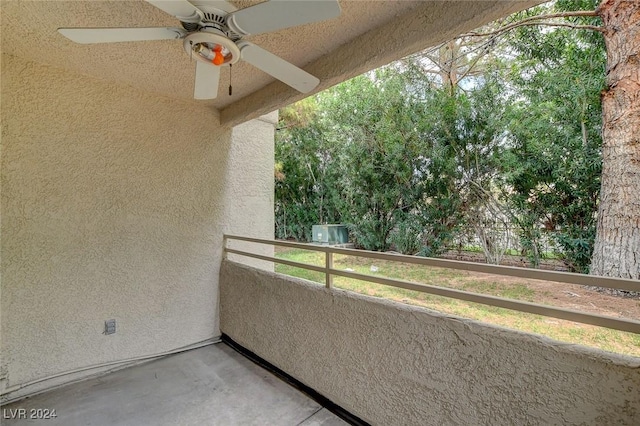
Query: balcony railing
column 622, row 324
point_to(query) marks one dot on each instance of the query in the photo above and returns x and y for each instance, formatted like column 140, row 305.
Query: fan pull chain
column 230, row 88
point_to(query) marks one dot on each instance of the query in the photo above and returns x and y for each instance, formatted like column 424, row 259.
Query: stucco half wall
column 114, row 206
column 391, row 364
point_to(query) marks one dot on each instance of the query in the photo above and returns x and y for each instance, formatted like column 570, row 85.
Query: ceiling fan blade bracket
column 193, row 19
column 180, row 33
column 231, row 23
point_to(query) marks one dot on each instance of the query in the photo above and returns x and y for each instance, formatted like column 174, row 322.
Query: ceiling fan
column 213, row 31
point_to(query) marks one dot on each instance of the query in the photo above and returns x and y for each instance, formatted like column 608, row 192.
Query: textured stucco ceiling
column 366, row 35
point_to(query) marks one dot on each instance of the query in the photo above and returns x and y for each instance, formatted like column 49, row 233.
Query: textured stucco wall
column 396, row 364
column 114, row 203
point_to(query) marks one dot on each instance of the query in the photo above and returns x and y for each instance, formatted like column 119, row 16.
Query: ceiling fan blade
column 278, row 14
column 207, row 78
column 116, row 35
column 181, row 9
column 277, row 67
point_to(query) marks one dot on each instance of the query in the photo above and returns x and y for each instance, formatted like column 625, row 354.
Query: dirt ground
column 572, row 296
column 563, row 295
column 519, row 261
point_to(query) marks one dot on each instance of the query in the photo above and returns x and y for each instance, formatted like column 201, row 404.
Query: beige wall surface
column 114, row 203
column 393, row 364
column 250, row 193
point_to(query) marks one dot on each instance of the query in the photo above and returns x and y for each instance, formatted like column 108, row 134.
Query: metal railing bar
column 629, row 325
column 280, row 243
column 512, row 271
column 328, row 266
column 278, row 260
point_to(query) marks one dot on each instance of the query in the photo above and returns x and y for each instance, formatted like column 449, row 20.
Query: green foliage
column 463, row 134
column 412, row 156
column 303, row 175
column 405, row 238
column 554, row 164
column 373, row 122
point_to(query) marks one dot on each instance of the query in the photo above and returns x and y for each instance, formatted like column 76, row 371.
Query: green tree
column 617, row 239
column 304, row 189
column 554, row 163
column 410, row 153
column 475, row 135
column 463, row 131
column 373, row 120
column 618, row 231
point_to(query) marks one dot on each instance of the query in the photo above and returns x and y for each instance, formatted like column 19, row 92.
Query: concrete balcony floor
column 213, row 385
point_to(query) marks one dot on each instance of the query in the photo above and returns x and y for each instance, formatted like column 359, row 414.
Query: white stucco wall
column 114, row 203
column 395, row 364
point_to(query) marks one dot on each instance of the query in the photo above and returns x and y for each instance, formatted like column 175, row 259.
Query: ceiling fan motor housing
column 211, row 40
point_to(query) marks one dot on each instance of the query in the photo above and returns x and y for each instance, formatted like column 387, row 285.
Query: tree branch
column 470, row 67
column 534, row 20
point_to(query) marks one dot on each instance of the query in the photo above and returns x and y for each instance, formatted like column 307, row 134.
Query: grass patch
column 565, row 331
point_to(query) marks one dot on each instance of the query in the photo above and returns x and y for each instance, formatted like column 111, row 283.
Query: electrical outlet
column 110, row 326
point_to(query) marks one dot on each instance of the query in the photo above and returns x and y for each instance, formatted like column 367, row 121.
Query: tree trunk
column 617, row 245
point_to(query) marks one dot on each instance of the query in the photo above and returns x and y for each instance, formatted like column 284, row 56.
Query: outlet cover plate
column 110, row 326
